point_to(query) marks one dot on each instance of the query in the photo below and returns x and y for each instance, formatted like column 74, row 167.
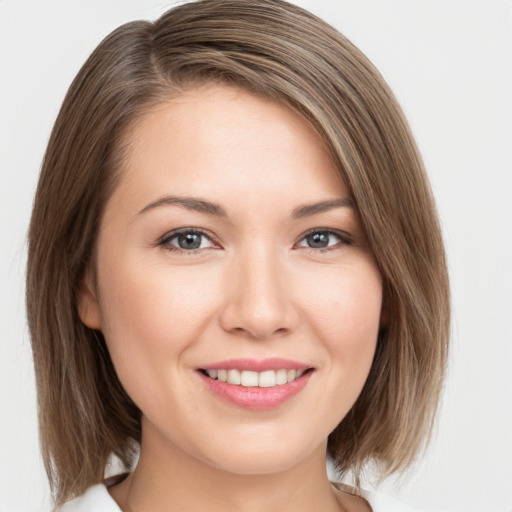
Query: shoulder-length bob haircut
column 282, row 53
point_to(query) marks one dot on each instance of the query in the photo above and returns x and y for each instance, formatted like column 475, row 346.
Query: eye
column 187, row 240
column 323, row 239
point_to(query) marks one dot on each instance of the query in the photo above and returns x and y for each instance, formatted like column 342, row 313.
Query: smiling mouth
column 247, row 378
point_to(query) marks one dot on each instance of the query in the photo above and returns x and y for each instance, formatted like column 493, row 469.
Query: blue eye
column 191, row 240
column 187, row 240
column 323, row 239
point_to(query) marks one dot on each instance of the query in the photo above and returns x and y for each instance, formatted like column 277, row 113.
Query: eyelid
column 164, row 240
column 345, row 238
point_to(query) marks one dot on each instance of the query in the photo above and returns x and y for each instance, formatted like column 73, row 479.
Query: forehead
column 218, row 140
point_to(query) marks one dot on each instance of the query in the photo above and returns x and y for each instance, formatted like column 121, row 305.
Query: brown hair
column 281, row 52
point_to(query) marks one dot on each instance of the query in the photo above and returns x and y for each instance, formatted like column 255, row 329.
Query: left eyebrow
column 323, row 206
column 189, row 203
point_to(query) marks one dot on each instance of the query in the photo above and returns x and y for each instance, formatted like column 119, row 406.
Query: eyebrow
column 323, row 206
column 203, row 206
column 190, row 203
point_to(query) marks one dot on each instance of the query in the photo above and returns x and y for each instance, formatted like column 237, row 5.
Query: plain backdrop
column 449, row 63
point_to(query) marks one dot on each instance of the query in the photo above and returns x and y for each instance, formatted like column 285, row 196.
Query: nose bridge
column 259, row 302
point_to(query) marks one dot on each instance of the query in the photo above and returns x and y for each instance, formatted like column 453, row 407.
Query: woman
column 235, row 269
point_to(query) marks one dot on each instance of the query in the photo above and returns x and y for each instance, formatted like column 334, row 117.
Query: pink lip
column 257, row 365
column 255, row 398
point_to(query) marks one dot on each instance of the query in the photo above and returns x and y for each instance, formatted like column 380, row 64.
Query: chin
column 264, row 464
column 264, row 457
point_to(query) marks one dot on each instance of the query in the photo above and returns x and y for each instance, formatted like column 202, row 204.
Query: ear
column 88, row 305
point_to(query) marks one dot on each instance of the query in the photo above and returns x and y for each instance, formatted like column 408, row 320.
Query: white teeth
column 249, row 378
column 212, row 373
column 281, row 377
column 266, row 379
column 233, row 376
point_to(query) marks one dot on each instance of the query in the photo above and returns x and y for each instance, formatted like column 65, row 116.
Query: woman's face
column 231, row 249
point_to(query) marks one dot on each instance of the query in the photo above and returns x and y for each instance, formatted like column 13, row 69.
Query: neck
column 169, row 479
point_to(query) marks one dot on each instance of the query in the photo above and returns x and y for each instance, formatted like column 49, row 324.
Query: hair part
column 283, row 53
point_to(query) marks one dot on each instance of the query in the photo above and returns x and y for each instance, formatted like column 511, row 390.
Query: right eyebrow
column 323, row 206
column 190, row 203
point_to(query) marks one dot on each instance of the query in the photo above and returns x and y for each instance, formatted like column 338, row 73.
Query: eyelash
column 165, row 241
column 344, row 239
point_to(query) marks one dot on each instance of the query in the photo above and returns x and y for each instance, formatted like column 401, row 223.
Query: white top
column 98, row 499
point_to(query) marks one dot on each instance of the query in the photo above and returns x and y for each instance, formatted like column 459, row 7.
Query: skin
column 254, row 289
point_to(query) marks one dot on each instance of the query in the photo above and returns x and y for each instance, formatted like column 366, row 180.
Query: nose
column 258, row 302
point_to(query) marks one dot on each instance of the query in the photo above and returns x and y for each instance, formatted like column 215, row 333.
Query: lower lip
column 256, row 398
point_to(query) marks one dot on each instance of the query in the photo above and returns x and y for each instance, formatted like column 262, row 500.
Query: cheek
column 151, row 317
column 345, row 300
column 345, row 312
column 152, row 298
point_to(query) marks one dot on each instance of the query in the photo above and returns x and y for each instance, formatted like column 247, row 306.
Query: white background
column 449, row 63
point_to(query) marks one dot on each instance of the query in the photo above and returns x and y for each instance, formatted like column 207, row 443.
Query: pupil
column 189, row 241
column 318, row 240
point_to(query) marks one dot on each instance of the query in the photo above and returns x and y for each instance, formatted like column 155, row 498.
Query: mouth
column 256, row 385
column 253, row 379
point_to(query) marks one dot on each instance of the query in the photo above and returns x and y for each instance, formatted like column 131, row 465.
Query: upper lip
column 256, row 365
